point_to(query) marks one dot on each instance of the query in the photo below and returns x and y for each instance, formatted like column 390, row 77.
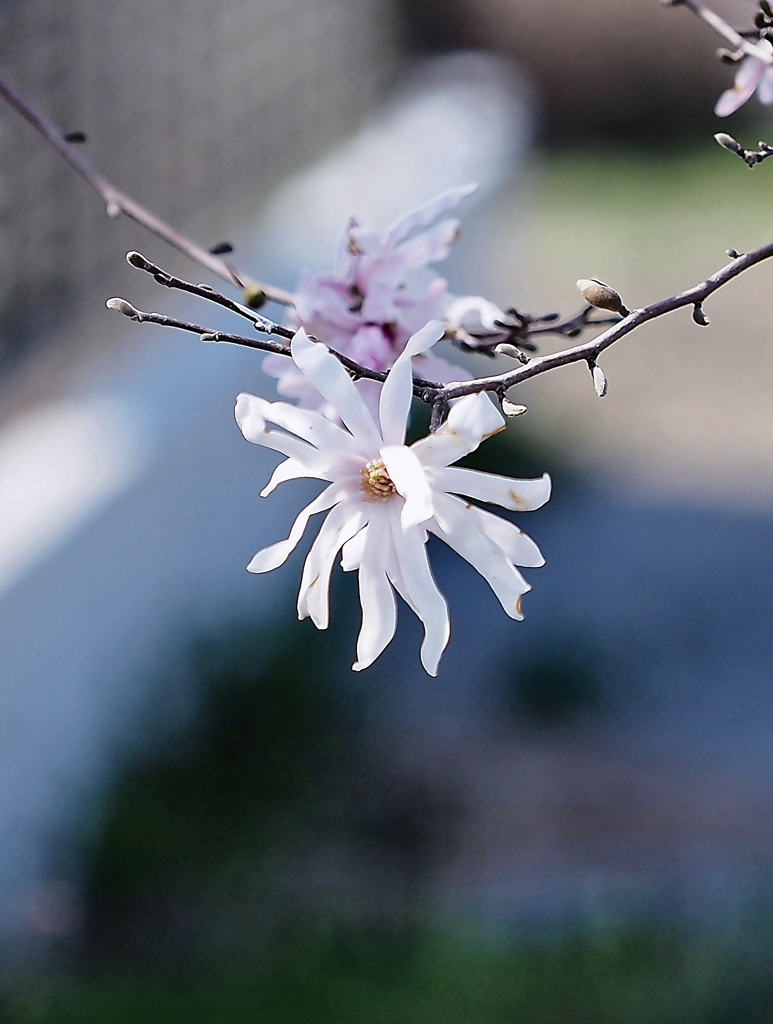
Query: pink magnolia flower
column 753, row 75
column 383, row 498
column 381, row 292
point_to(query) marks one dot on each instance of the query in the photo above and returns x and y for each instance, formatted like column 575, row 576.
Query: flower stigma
column 376, row 482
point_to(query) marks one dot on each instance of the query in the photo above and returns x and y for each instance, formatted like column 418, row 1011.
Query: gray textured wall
column 192, row 107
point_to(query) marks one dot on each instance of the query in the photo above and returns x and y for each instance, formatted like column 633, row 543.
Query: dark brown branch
column 724, row 29
column 751, row 157
column 260, row 323
column 427, row 390
column 118, row 202
column 590, row 351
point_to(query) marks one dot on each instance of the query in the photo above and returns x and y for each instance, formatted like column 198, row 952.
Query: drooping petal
column 426, row 214
column 430, row 605
column 476, row 548
column 351, row 552
column 249, row 416
column 277, row 554
column 334, row 383
column 307, row 424
column 290, row 469
column 765, row 88
column 514, row 544
column 343, row 522
column 475, row 313
column 397, row 391
column 379, row 608
column 410, row 478
column 747, row 78
column 470, row 421
column 517, row 495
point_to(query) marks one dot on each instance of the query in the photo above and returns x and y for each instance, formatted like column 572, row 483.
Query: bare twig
column 118, row 202
column 723, row 28
column 590, row 351
column 751, row 157
column 437, row 395
column 427, row 390
column 260, row 323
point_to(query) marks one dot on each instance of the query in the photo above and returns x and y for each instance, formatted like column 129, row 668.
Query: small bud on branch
column 601, row 295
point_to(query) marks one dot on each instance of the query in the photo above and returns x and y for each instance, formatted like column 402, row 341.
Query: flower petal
column 432, row 245
column 290, row 469
column 351, row 552
column 476, row 548
column 514, row 544
column 379, row 608
column 409, row 477
column 252, row 423
column 276, row 554
column 426, row 214
column 397, row 391
column 307, row 424
column 518, row 495
column 765, row 88
column 344, row 521
column 420, row 588
column 747, row 78
column 470, row 421
column 334, row 383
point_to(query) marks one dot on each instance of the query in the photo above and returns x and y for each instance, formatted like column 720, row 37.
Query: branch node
column 510, row 409
column 122, row 306
column 699, row 316
column 600, row 381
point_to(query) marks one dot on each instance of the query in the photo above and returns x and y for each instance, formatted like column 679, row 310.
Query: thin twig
column 590, row 351
column 118, row 202
column 162, row 277
column 421, row 388
column 724, row 29
column 436, row 394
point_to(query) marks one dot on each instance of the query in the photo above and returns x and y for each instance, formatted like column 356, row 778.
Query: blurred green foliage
column 344, row 976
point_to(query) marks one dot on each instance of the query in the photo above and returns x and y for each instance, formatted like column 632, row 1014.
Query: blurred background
column 205, row 815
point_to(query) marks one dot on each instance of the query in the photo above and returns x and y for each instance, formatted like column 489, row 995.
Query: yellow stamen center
column 376, row 482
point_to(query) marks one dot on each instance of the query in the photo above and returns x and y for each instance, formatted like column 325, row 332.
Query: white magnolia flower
column 384, row 498
column 753, row 75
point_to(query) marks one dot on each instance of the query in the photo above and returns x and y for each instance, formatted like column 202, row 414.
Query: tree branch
column 590, row 351
column 724, row 29
column 118, row 202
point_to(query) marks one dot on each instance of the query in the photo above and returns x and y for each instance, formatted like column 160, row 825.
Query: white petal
column 290, row 469
column 276, row 554
column 307, row 424
column 470, row 421
column 379, row 609
column 518, row 495
column 427, row 213
column 514, row 544
column 747, row 78
column 475, row 313
column 765, row 88
column 397, row 391
column 249, row 414
column 333, row 382
column 410, row 479
column 476, row 548
column 351, row 553
column 345, row 520
column 421, row 589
